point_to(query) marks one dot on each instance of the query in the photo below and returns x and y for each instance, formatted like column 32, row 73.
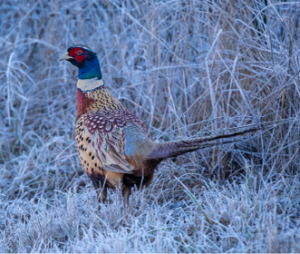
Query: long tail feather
column 175, row 148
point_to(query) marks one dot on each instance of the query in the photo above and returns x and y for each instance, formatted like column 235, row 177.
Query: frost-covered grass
column 186, row 68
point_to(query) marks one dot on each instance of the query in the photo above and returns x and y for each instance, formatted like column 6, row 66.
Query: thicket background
column 186, row 68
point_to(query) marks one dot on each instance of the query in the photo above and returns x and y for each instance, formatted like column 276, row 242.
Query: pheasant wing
column 102, row 141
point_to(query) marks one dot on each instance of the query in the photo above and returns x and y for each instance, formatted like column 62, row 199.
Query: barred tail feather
column 175, row 148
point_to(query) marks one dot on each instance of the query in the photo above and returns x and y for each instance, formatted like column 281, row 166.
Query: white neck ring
column 89, row 84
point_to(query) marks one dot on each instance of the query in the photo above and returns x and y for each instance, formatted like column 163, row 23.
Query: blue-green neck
column 90, row 69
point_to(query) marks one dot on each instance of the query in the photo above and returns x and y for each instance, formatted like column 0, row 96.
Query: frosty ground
column 186, row 68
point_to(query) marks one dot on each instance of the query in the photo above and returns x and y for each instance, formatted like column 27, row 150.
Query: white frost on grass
column 186, row 68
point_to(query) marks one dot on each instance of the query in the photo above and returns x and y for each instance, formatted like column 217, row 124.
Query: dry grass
column 185, row 68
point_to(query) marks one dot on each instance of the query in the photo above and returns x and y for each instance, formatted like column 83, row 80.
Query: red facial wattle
column 78, row 53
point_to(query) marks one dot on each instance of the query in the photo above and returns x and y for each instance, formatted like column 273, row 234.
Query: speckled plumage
column 113, row 144
column 110, row 140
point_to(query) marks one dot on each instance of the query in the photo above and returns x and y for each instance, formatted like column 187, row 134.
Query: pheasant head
column 85, row 59
column 91, row 93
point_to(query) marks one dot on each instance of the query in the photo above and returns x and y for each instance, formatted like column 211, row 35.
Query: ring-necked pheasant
column 113, row 144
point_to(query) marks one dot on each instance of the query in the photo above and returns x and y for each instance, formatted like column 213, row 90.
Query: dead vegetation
column 186, row 68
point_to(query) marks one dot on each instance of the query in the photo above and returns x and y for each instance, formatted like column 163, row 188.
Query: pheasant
column 112, row 143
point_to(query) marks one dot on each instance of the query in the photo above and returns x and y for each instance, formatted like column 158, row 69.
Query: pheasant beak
column 65, row 57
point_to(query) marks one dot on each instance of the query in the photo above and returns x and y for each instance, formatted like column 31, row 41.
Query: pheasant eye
column 78, row 54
